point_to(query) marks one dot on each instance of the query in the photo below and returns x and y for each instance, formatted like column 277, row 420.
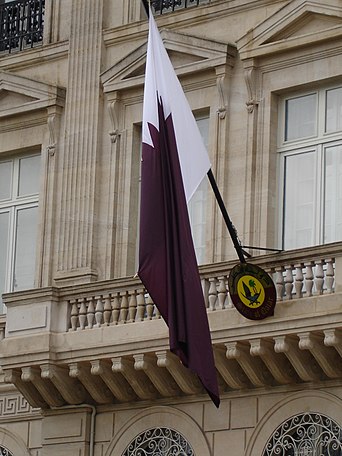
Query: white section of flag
column 161, row 78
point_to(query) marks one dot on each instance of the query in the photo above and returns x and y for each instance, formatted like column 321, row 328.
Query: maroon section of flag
column 167, row 261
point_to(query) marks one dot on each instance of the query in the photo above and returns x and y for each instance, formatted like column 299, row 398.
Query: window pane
column 333, row 121
column 299, row 193
column 29, row 171
column 300, row 117
column 198, row 217
column 5, row 180
column 4, row 220
column 25, row 252
column 197, row 206
column 333, row 194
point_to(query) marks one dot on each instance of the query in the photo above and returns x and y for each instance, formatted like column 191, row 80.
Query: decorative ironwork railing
column 165, row 6
column 296, row 274
column 309, row 434
column 163, row 441
column 21, row 24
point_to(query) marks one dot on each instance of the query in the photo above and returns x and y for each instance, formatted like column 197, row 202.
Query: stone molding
column 160, row 417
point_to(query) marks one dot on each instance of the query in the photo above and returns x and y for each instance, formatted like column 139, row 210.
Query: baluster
column 205, row 289
column 330, row 275
column 140, row 305
column 123, row 309
column 308, row 278
column 222, row 292
column 90, row 313
column 107, row 310
column 73, row 314
column 299, row 280
column 157, row 314
column 83, row 314
column 288, row 281
column 116, row 309
column 149, row 307
column 280, row 284
column 98, row 312
column 132, row 308
column 212, row 293
column 319, row 277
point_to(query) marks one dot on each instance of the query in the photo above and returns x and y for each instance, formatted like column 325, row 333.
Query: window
column 308, row 434
column 310, row 150
column 19, row 187
column 198, row 204
column 21, row 24
column 159, row 441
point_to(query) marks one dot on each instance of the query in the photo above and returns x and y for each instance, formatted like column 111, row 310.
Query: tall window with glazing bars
column 21, row 24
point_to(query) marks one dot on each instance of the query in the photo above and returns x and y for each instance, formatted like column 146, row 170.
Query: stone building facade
column 85, row 364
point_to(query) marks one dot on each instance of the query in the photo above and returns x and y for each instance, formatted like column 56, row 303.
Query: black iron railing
column 165, row 6
column 21, row 24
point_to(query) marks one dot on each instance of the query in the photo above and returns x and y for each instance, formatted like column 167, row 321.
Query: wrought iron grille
column 4, row 451
column 159, row 442
column 21, row 24
column 308, row 434
column 165, row 6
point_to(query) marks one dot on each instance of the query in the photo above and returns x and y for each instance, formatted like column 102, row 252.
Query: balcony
column 105, row 342
column 21, row 24
column 166, row 6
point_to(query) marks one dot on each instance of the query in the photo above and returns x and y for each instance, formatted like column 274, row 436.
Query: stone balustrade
column 296, row 275
column 106, row 342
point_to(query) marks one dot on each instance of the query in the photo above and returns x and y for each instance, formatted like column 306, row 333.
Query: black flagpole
column 232, row 231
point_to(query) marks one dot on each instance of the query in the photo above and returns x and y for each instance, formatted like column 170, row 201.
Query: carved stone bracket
column 137, row 379
column 69, row 388
column 115, row 381
column 28, row 390
column 230, row 370
column 46, row 389
column 53, row 125
column 222, row 83
column 93, row 384
column 114, row 109
column 251, row 79
column 279, row 367
column 302, row 361
column 161, row 379
column 254, row 368
column 187, row 382
column 333, row 338
column 328, row 360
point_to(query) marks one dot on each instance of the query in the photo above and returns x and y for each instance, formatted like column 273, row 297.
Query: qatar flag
column 174, row 162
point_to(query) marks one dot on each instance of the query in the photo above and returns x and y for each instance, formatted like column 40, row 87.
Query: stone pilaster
column 78, row 163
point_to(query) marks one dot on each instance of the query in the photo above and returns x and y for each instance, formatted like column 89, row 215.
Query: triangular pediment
column 188, row 55
column 20, row 95
column 299, row 23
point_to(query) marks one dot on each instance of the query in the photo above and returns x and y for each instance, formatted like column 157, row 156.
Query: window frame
column 319, row 143
column 12, row 206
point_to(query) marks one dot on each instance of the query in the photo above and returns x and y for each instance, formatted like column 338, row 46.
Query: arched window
column 307, row 434
column 4, row 451
column 159, row 441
